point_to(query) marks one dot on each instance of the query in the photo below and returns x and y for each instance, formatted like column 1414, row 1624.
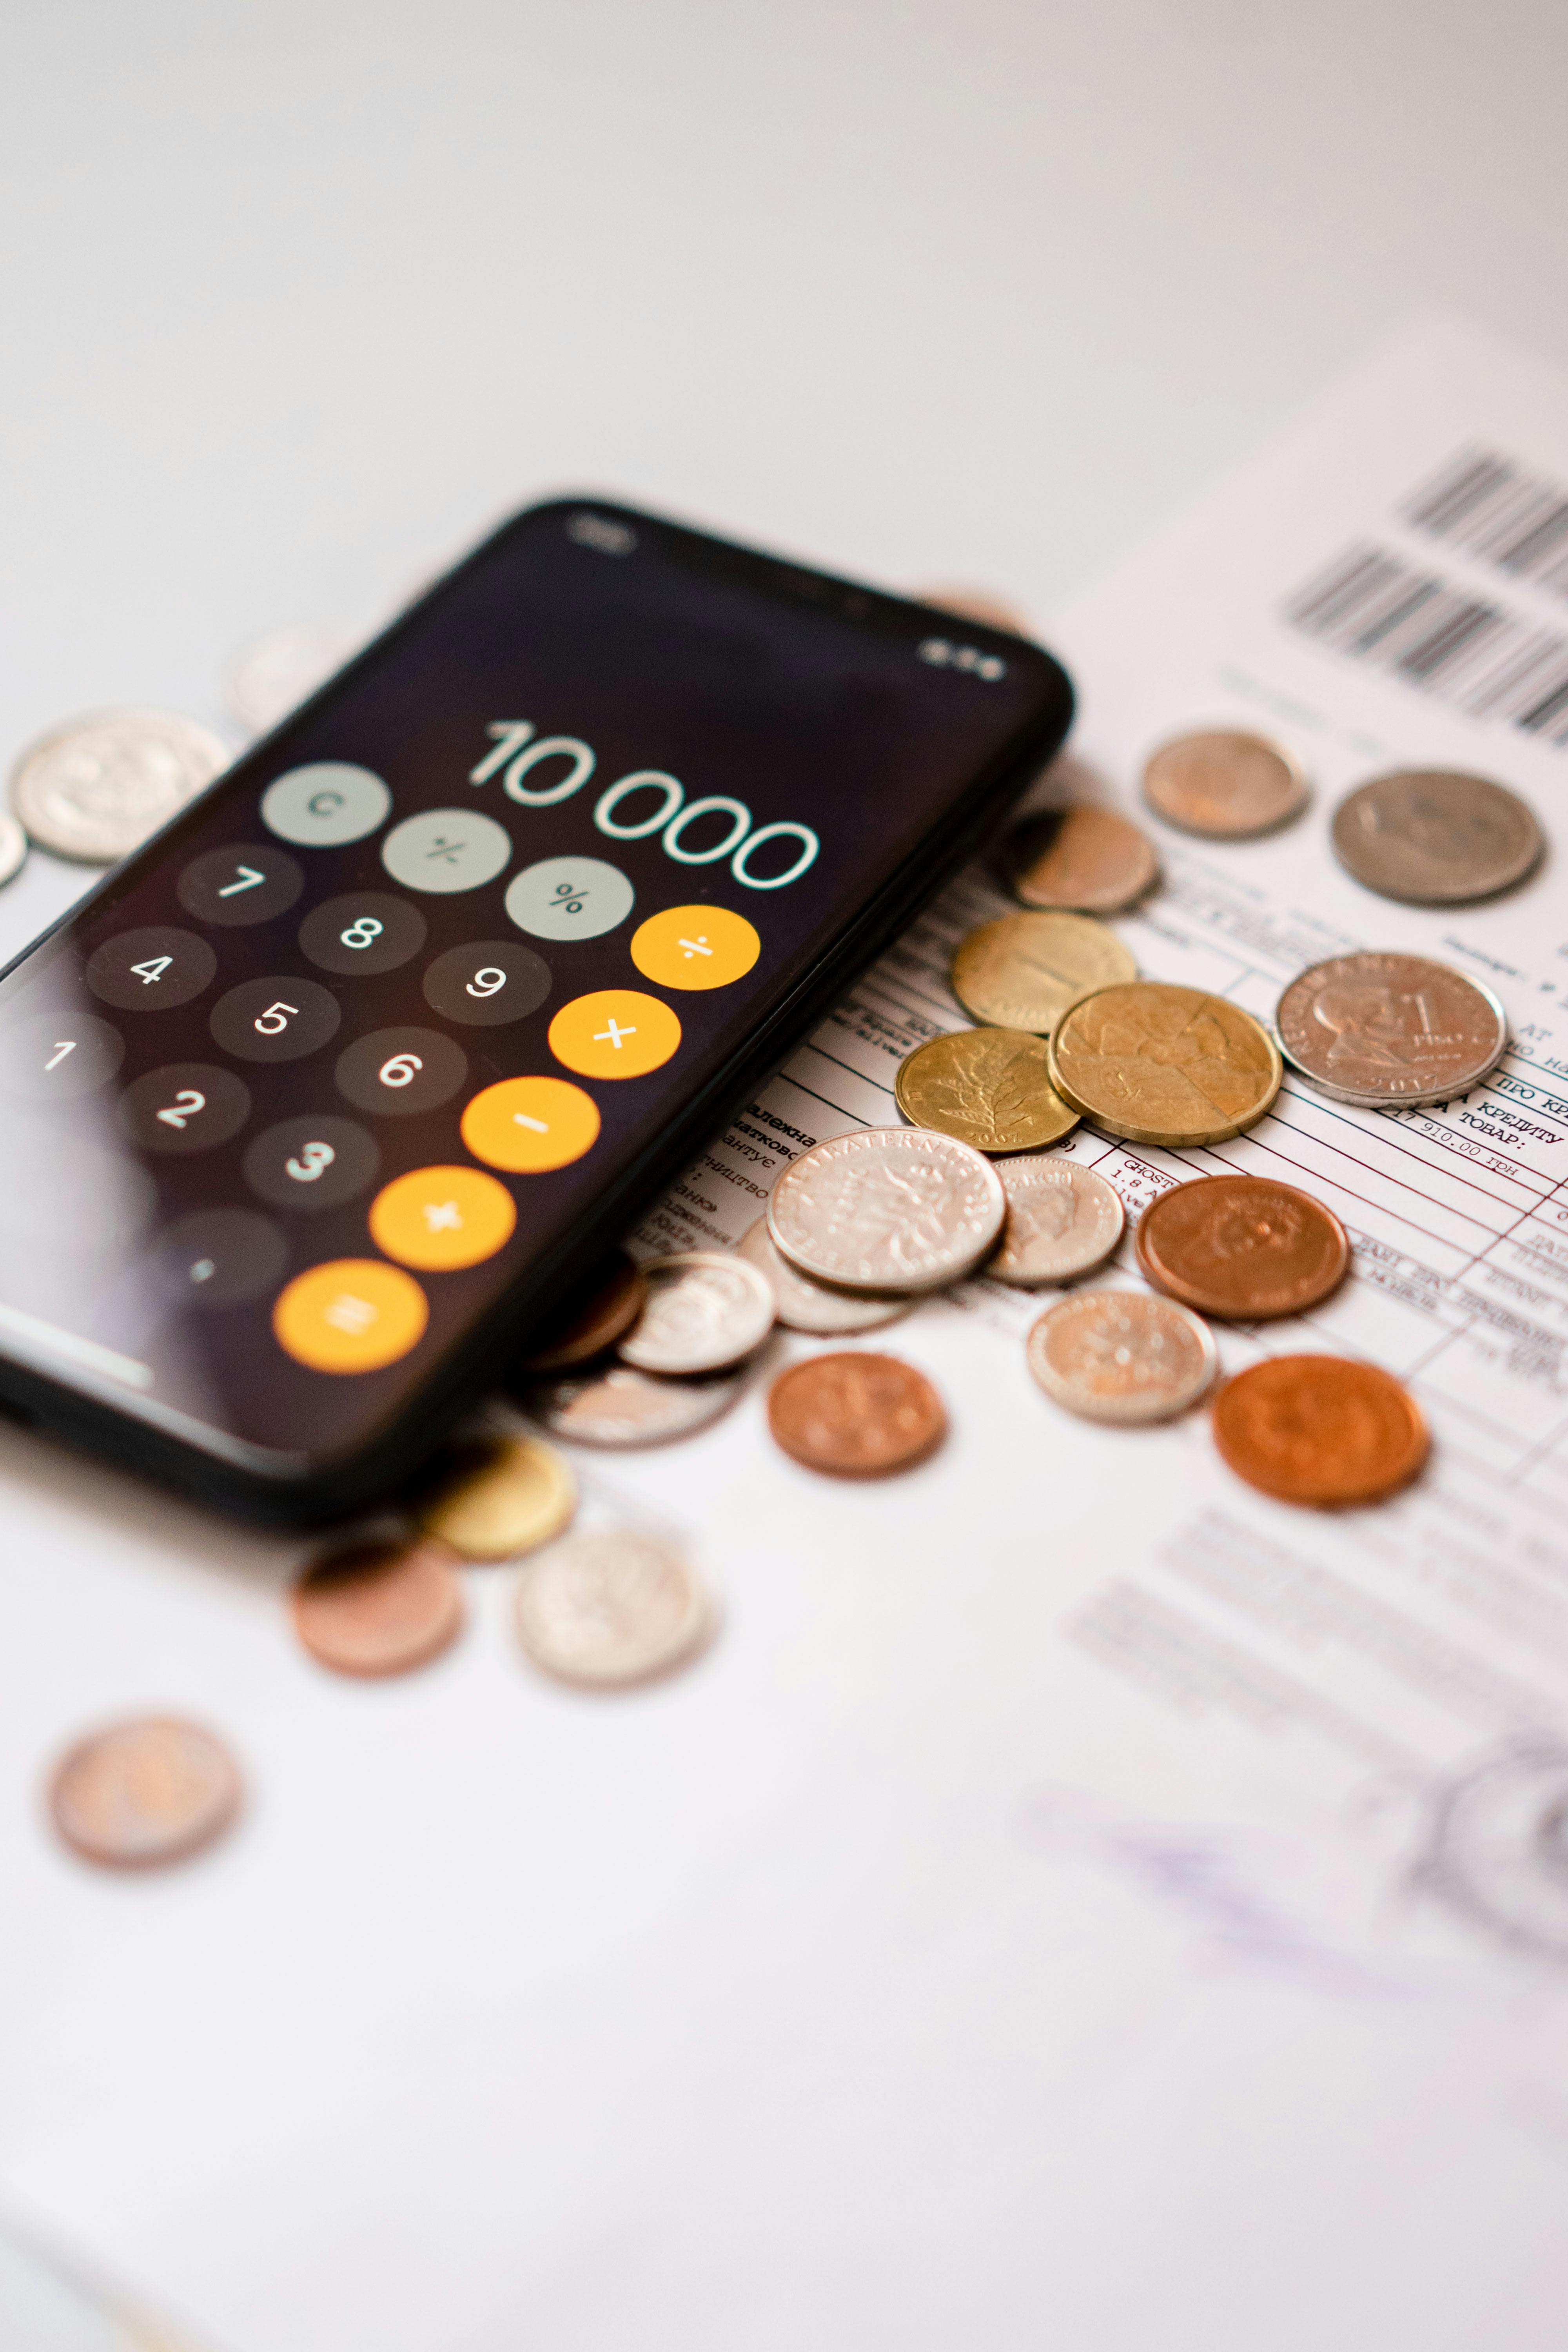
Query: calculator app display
column 316, row 1077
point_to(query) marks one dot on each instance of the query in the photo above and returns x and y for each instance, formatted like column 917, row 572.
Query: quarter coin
column 1022, row 971
column 803, row 1306
column 1121, row 1356
column 855, row 1415
column 1435, row 839
column 990, row 1087
column 1083, row 860
column 1390, row 1030
column 1225, row 783
column 144, row 1792
column 623, row 1407
column 592, row 1321
column 888, row 1208
column 1062, row 1221
column 98, row 788
column 1160, row 1064
column 705, row 1310
column 375, row 1609
column 611, row 1608
column 503, row 1496
column 1320, row 1429
column 1242, row 1247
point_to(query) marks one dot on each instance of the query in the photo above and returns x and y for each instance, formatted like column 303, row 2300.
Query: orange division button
column 352, row 1314
column 614, row 1033
column 442, row 1218
column 695, row 946
column 529, row 1126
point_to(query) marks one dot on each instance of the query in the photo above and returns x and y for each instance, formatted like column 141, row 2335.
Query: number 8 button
column 369, row 932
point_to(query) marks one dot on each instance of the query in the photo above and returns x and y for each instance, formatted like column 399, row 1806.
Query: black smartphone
column 330, row 1094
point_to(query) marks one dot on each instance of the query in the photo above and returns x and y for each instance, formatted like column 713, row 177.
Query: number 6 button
column 400, row 1072
column 279, row 1020
column 184, row 1107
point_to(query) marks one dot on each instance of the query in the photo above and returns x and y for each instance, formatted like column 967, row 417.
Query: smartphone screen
column 362, row 1043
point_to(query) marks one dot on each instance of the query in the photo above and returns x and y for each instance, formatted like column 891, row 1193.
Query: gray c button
column 326, row 804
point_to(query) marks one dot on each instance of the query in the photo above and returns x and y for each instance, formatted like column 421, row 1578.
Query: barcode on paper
column 1494, row 509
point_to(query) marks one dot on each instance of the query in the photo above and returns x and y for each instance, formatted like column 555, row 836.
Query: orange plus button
column 614, row 1033
column 529, row 1126
column 442, row 1218
column 695, row 946
column 354, row 1315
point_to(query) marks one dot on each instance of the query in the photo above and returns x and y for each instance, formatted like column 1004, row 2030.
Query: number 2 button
column 184, row 1107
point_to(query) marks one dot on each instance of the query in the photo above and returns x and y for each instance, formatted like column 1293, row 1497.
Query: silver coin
column 626, row 1407
column 1387, row 1031
column 272, row 675
column 1063, row 1220
column 704, row 1311
column 888, row 1208
column 610, row 1608
column 1435, row 839
column 12, row 846
column 803, row 1306
column 1122, row 1356
column 101, row 787
column 1499, row 1848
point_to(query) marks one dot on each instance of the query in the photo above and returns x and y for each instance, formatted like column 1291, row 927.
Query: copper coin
column 856, row 1415
column 1320, row 1429
column 592, row 1320
column 150, row 1791
column 379, row 1608
column 1088, row 861
column 1225, row 783
column 1242, row 1247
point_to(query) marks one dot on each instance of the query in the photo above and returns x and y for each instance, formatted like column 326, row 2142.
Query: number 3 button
column 184, row 1107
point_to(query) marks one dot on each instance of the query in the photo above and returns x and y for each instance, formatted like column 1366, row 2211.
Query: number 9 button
column 368, row 932
column 487, row 983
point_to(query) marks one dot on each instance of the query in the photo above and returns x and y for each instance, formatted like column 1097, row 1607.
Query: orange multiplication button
column 617, row 1032
column 695, row 946
column 352, row 1314
column 529, row 1126
column 442, row 1218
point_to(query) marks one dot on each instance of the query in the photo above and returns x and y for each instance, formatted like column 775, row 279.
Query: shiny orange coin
column 440, row 1219
column 1320, row 1429
column 352, row 1314
column 617, row 1032
column 529, row 1126
column 695, row 946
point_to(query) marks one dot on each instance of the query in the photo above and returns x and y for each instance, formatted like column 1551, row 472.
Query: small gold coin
column 990, row 1087
column 503, row 1496
column 1022, row 971
column 1159, row 1064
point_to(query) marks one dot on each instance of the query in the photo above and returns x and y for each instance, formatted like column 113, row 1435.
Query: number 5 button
column 277, row 1020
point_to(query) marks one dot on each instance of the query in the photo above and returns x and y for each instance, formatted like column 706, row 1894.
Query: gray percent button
column 445, row 850
column 569, row 898
column 326, row 804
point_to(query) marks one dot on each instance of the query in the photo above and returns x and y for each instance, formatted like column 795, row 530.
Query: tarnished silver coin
column 626, row 1407
column 1063, row 1220
column 1435, row 839
column 888, row 1208
column 274, row 674
column 1387, row 1031
column 12, row 845
column 803, row 1306
column 1499, row 1845
column 1122, row 1356
column 611, row 1608
column 101, row 787
column 704, row 1311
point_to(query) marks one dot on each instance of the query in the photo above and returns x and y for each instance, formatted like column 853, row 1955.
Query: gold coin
column 502, row 1497
column 1159, row 1064
column 990, row 1087
column 1022, row 971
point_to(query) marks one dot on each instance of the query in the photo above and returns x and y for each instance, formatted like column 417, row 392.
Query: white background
column 509, row 2019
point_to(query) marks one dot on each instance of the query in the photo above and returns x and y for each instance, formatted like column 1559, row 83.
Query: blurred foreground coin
column 705, row 1310
column 148, row 1791
column 803, row 1306
column 608, row 1608
column 888, row 1208
column 1389, row 1030
column 990, row 1087
column 1225, row 783
column 1022, row 971
column 1062, row 1221
column 592, row 1321
column 379, row 1608
column 1242, row 1247
column 12, row 845
column 1159, row 1064
column 980, row 604
column 1320, row 1429
column 1435, row 839
column 1084, row 860
column 502, row 1497
column 272, row 675
column 98, row 788
column 624, row 1407
column 857, row 1415
column 1119, row 1355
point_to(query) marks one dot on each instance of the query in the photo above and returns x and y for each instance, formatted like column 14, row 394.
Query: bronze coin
column 152, row 1791
column 1088, row 861
column 379, row 1608
column 1225, row 783
column 1242, row 1247
column 592, row 1320
column 856, row 1415
column 1320, row 1429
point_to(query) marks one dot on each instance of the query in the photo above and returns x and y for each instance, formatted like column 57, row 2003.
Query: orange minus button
column 352, row 1314
column 617, row 1032
column 529, row 1126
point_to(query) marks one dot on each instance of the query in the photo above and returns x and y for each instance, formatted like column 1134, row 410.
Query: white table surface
column 296, row 299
